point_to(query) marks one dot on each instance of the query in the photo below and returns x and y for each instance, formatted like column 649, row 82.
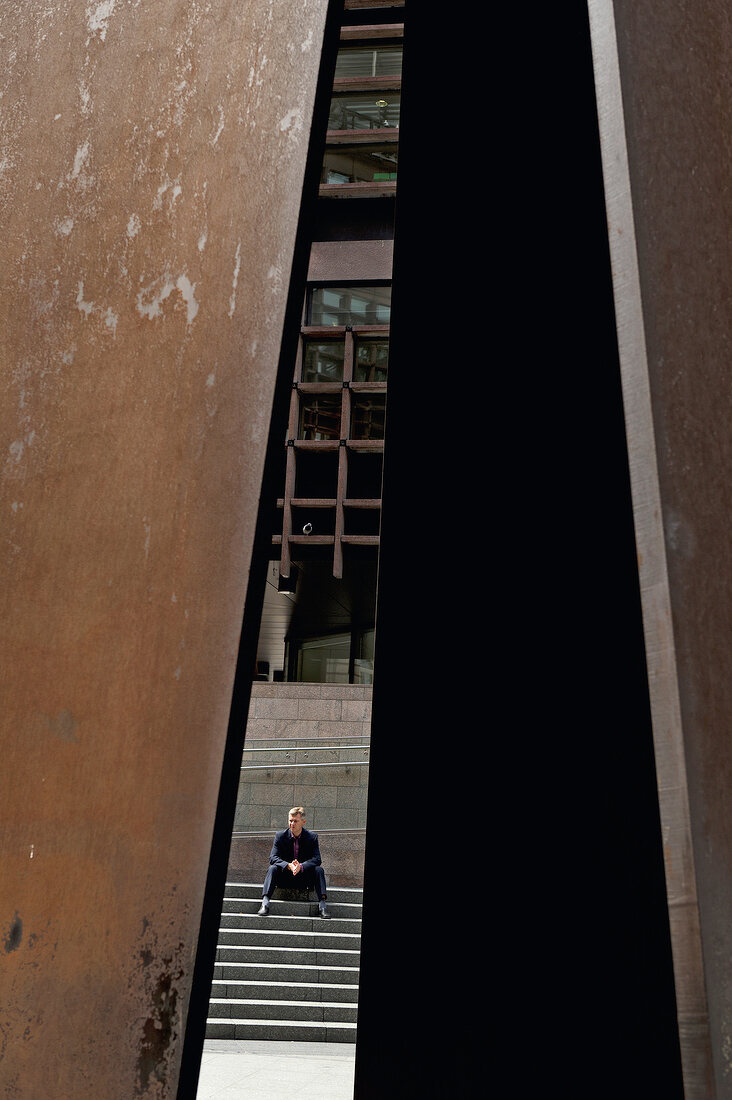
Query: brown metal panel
column 151, row 180
column 382, row 30
column 367, row 84
column 342, row 486
column 357, row 190
column 354, row 5
column 316, row 444
column 366, row 444
column 290, row 471
column 662, row 74
column 352, row 260
column 333, row 331
column 363, row 137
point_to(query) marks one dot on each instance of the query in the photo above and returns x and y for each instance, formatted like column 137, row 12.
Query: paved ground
column 241, row 1069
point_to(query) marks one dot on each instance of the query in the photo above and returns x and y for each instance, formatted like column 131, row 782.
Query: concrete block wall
column 291, row 728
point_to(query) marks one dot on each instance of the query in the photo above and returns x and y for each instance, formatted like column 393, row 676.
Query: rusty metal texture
column 150, row 182
column 662, row 74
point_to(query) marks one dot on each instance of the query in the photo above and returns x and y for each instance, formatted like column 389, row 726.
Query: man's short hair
column 297, row 810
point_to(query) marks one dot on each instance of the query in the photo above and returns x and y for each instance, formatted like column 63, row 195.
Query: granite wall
column 306, row 744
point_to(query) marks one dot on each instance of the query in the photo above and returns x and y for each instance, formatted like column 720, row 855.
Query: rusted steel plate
column 664, row 109
column 153, row 158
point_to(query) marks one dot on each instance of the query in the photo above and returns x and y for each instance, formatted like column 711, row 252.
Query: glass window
column 323, row 362
column 355, row 61
column 320, row 416
column 372, row 357
column 359, row 164
column 363, row 665
column 350, row 305
column 367, row 416
column 364, row 110
column 324, row 660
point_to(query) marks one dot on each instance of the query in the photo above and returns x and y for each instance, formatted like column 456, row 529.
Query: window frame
column 345, row 445
column 363, row 37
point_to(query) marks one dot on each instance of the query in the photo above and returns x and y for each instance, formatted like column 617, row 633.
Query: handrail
column 304, row 737
column 309, row 764
column 308, row 748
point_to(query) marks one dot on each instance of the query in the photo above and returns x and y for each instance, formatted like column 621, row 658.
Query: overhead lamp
column 288, row 585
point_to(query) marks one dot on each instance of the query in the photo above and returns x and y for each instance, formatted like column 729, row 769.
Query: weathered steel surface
column 663, row 99
column 150, row 181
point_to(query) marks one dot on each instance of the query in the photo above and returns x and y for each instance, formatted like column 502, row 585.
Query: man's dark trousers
column 283, row 852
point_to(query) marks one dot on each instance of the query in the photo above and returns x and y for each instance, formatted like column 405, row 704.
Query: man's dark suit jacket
column 283, row 849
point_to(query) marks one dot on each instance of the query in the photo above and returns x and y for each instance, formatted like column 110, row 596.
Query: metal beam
column 664, row 113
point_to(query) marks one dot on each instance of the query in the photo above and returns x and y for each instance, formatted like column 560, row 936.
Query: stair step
column 299, row 1011
column 293, row 911
column 285, row 972
column 281, row 1030
column 242, row 989
column 294, row 938
column 285, row 956
column 289, row 976
column 253, row 890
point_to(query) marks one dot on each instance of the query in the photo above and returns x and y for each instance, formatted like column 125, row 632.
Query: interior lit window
column 323, row 362
column 363, row 665
column 364, row 111
column 324, row 660
column 350, row 305
column 360, row 61
column 359, row 164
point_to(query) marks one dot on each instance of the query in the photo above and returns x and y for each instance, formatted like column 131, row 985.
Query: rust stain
column 160, row 973
column 14, row 935
column 160, row 1030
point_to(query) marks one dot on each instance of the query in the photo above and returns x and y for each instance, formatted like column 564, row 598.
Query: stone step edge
column 279, row 906
column 281, row 1023
column 258, row 886
column 312, row 973
column 304, row 921
column 277, row 985
column 335, row 896
column 283, row 1004
column 302, row 908
column 291, row 908
column 270, row 930
column 287, row 951
column 308, row 970
column 254, row 890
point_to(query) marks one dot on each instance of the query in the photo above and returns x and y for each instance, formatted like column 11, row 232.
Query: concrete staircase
column 290, row 975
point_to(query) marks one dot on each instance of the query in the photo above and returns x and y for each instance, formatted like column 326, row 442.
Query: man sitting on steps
column 294, row 862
